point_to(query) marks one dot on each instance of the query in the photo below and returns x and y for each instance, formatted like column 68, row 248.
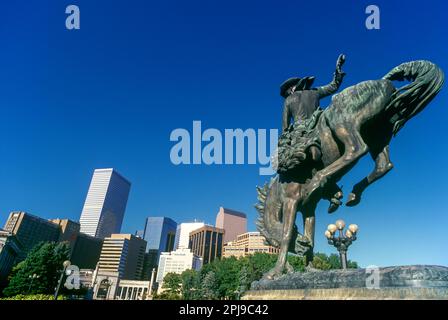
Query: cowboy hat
column 300, row 83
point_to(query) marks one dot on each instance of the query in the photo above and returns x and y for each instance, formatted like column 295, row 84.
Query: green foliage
column 172, row 284
column 323, row 262
column 298, row 263
column 166, row 296
column 229, row 278
column 45, row 261
column 208, row 288
column 34, row 297
column 190, row 284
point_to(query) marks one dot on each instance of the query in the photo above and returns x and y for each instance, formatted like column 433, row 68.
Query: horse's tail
column 269, row 207
column 427, row 80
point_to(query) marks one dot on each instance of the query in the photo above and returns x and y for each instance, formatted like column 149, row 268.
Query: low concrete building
column 133, row 290
column 109, row 286
column 105, row 284
column 177, row 262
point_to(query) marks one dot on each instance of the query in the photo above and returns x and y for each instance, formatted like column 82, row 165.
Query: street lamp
column 65, row 265
column 32, row 277
column 343, row 241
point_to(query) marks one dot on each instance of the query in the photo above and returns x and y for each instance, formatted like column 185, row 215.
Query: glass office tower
column 105, row 204
column 159, row 234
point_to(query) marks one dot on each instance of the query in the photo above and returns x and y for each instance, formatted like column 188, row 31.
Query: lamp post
column 65, row 265
column 343, row 240
column 32, row 277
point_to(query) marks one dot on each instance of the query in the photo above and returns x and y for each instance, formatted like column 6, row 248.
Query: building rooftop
column 114, row 171
column 234, row 212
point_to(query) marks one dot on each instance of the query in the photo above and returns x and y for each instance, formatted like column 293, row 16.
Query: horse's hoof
column 353, row 200
column 268, row 277
column 333, row 207
column 338, row 195
column 289, row 268
column 271, row 275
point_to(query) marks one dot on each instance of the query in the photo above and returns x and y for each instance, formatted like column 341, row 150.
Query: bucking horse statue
column 361, row 119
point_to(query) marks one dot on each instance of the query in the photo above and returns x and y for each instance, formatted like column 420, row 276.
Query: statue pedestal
column 397, row 283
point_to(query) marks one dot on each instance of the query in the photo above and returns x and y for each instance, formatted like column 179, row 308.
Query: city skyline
column 110, row 94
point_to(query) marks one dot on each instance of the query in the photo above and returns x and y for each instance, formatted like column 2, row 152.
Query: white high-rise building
column 105, row 204
column 183, row 230
column 177, row 262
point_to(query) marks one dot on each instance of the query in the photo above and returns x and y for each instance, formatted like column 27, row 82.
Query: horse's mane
column 351, row 98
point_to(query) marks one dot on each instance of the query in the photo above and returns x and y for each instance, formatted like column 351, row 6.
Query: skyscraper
column 206, row 242
column 123, row 253
column 233, row 222
column 182, row 239
column 105, row 204
column 159, row 233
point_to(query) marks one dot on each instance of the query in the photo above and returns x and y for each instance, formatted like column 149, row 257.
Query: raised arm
column 334, row 85
column 286, row 119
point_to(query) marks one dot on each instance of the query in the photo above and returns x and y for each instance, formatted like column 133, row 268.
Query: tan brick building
column 246, row 244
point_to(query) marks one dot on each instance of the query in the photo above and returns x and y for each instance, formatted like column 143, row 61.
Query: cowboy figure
column 301, row 101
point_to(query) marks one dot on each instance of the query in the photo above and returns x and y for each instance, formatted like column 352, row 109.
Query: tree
column 297, row 262
column 45, row 261
column 352, row 264
column 244, row 281
column 209, row 287
column 322, row 262
column 190, row 284
column 227, row 277
column 172, row 284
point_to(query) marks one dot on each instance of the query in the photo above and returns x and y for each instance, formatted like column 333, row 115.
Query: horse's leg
column 354, row 149
column 382, row 166
column 334, row 194
column 289, row 217
column 309, row 223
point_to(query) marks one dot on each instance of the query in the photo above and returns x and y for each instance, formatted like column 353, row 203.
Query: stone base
column 397, row 283
column 350, row 294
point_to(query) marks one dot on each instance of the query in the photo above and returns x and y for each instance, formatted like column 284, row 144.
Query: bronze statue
column 315, row 152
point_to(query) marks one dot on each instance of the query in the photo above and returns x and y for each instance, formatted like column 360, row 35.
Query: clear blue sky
column 109, row 95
